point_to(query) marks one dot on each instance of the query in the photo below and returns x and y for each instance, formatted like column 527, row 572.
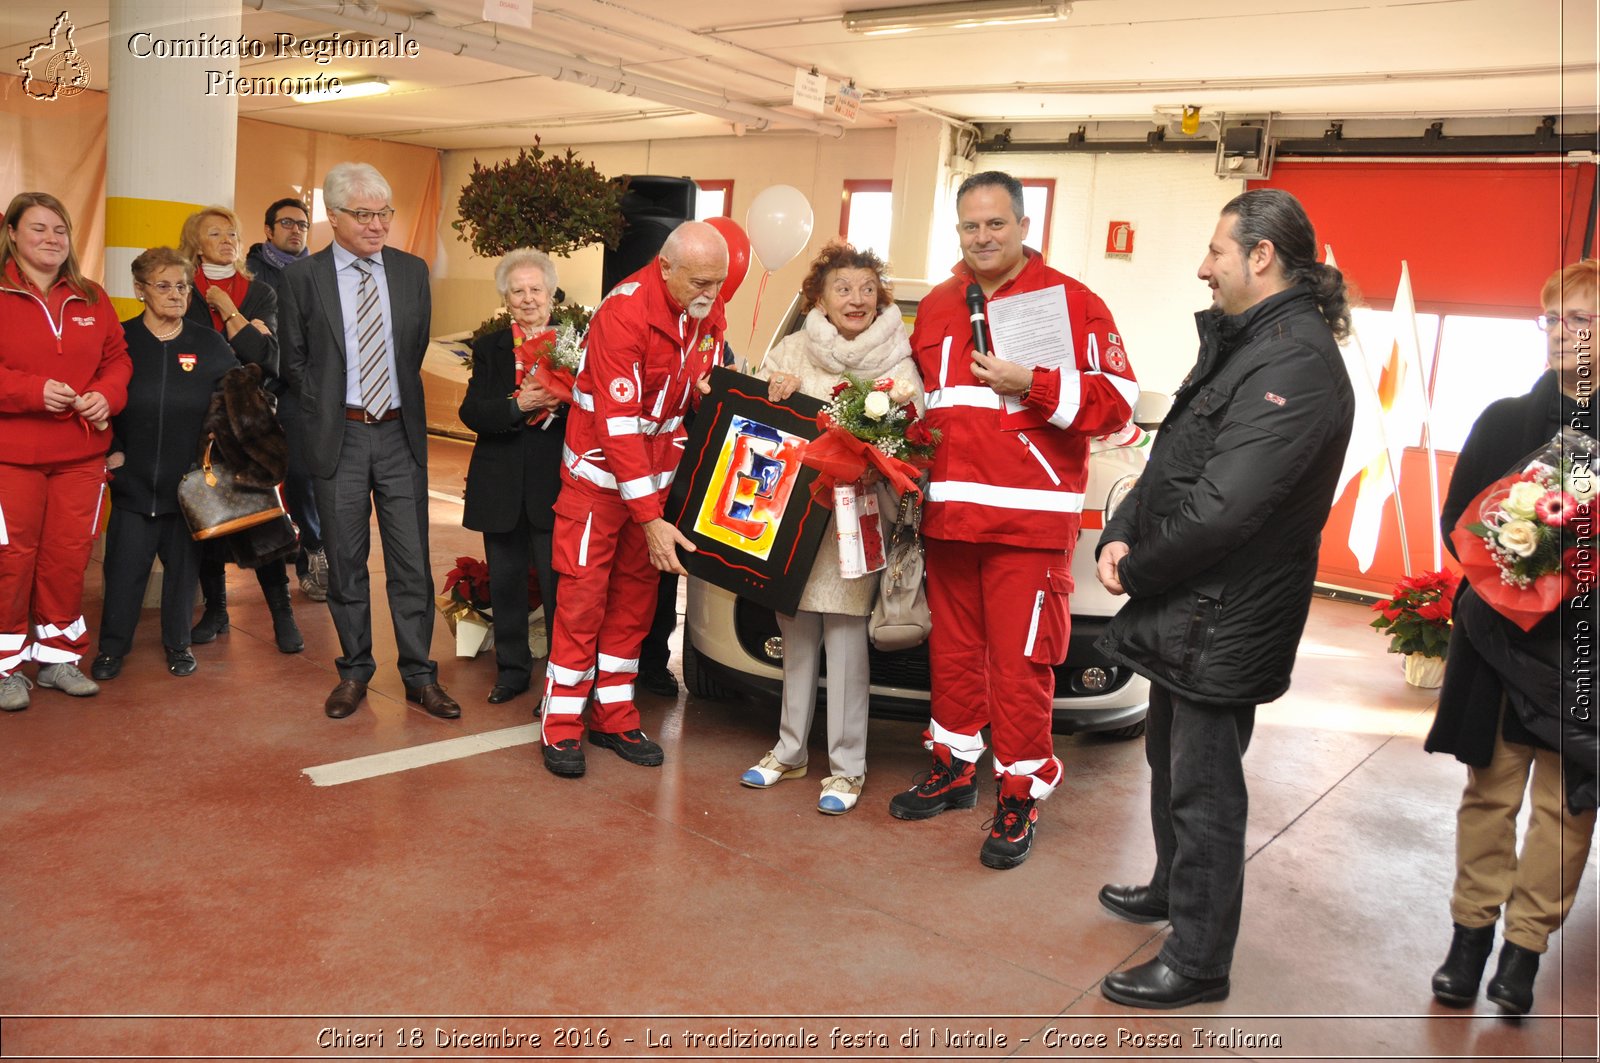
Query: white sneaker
column 66, row 678
column 14, row 692
column 839, row 793
column 769, row 772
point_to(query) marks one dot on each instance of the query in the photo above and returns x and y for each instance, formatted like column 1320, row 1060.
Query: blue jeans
column 1198, row 808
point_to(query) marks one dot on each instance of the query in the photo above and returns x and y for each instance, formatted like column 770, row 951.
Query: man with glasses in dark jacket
column 1216, row 549
column 288, row 229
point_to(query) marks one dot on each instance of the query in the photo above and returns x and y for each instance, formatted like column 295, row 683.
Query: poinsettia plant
column 1417, row 617
column 468, row 583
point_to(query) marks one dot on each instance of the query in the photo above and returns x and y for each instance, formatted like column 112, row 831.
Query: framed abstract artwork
column 742, row 496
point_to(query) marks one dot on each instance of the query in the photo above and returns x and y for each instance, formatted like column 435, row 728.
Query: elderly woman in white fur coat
column 846, row 332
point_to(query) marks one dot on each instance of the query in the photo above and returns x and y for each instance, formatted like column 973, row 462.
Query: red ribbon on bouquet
column 533, row 358
column 554, row 379
column 840, row 457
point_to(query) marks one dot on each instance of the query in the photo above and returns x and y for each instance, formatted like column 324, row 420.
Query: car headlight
column 1119, row 491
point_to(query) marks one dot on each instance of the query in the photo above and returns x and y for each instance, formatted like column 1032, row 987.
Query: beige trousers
column 1537, row 886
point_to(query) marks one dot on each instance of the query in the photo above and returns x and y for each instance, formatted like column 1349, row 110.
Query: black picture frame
column 771, row 569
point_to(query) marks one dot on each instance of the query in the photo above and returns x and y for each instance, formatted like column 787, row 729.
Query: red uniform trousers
column 48, row 519
column 607, row 601
column 1000, row 622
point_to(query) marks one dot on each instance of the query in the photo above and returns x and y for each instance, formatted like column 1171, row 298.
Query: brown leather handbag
column 214, row 505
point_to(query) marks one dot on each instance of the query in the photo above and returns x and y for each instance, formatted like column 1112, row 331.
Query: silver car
column 732, row 646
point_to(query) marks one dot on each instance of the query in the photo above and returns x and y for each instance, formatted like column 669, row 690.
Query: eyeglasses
column 290, row 223
column 364, row 217
column 1575, row 321
column 168, row 287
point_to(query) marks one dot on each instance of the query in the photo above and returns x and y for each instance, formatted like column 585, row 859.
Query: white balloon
column 779, row 225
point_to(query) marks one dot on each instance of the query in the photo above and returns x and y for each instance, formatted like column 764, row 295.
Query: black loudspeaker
column 651, row 209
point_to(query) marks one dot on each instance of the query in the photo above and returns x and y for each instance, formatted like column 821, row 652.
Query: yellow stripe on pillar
column 126, row 308
column 142, row 223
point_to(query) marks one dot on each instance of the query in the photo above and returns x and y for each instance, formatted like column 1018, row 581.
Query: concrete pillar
column 169, row 146
column 922, row 146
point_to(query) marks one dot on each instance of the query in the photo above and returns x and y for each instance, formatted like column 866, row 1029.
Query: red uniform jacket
column 1016, row 476
column 641, row 359
column 56, row 335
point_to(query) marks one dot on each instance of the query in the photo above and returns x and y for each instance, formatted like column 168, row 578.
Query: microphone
column 980, row 337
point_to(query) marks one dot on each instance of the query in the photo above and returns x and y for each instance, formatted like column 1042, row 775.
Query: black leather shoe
column 434, row 701
column 632, row 746
column 1133, row 903
column 106, row 666
column 1155, row 985
column 180, row 662
column 565, row 758
column 1512, row 984
column 658, row 681
column 1455, row 983
column 344, row 698
column 502, row 693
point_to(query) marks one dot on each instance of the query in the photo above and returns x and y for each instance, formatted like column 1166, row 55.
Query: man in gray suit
column 353, row 329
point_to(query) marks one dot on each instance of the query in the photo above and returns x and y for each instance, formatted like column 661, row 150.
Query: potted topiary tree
column 555, row 203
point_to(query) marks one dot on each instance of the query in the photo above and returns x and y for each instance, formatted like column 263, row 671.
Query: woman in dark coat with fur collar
column 245, row 312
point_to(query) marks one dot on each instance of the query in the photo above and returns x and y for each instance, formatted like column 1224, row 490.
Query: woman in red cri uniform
column 63, row 372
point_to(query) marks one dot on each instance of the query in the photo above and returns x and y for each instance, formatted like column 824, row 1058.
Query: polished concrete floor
column 176, row 881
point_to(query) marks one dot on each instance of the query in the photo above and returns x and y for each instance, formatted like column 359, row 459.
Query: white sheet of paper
column 1033, row 329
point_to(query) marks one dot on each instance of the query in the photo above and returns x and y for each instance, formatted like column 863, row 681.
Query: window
column 713, row 200
column 865, row 216
column 1038, row 200
column 1481, row 359
column 1468, row 361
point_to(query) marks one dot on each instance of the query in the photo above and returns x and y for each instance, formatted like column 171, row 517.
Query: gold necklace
column 175, row 330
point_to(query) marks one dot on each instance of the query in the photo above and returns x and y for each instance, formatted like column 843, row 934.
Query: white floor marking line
column 369, row 767
column 440, row 496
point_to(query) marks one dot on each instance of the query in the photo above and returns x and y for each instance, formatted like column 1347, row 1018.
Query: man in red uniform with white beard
column 1003, row 504
column 654, row 338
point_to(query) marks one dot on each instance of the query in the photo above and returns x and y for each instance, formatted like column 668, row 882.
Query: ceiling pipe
column 534, row 60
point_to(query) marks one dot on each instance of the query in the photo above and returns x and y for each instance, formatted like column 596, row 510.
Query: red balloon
column 738, row 254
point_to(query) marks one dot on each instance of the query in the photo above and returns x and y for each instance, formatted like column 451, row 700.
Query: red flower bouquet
column 1527, row 540
column 870, row 424
column 553, row 359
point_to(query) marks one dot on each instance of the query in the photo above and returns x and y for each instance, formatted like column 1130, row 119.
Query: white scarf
column 879, row 348
column 217, row 273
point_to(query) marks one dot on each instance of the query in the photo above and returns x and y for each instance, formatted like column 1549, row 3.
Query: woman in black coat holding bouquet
column 515, row 472
column 1505, row 706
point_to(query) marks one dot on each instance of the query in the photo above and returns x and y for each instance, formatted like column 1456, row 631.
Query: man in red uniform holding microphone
column 1003, row 504
column 653, row 340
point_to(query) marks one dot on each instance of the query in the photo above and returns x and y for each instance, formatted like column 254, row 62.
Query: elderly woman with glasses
column 515, row 472
column 176, row 367
column 1510, row 705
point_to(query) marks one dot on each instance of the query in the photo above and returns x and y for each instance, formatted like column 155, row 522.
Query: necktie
column 375, row 390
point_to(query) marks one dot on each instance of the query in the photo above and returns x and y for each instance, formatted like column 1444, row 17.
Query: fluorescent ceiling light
column 963, row 14
column 349, row 89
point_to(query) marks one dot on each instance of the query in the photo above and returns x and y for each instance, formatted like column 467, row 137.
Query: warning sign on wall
column 1119, row 239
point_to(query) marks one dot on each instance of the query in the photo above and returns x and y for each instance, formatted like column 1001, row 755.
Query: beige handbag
column 900, row 618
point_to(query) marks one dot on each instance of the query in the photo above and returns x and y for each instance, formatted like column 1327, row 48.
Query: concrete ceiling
column 602, row 70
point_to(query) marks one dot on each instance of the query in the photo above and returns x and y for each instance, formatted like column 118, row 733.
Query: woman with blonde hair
column 226, row 299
